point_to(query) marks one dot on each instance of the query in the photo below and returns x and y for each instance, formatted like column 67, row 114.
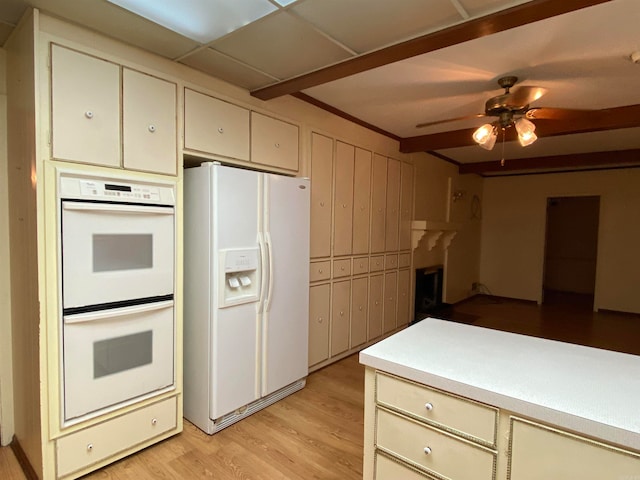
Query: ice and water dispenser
column 240, row 282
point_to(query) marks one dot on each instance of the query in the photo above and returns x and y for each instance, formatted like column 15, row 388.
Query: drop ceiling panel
column 282, row 46
column 365, row 25
column 224, row 68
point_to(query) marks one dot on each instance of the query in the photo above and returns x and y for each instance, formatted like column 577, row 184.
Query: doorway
column 571, row 250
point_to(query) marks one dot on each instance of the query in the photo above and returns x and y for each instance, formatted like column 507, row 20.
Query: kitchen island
column 453, row 401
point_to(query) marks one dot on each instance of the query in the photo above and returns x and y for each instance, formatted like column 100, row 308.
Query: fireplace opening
column 428, row 291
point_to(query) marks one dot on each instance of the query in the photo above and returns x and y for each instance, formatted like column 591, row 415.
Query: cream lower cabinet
column 340, row 316
column 359, row 311
column 404, row 298
column 376, row 301
column 413, row 431
column 390, row 306
column 319, row 314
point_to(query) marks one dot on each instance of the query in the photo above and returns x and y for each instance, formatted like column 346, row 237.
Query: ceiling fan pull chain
column 503, row 135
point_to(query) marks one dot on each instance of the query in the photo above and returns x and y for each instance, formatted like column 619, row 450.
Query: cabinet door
column 361, row 201
column 340, row 308
column 319, row 308
column 85, row 107
column 406, row 203
column 359, row 294
column 378, row 203
column 376, row 290
column 274, row 142
column 215, row 126
column 392, row 219
column 404, row 290
column 390, row 300
column 149, row 125
column 343, row 199
column 321, row 178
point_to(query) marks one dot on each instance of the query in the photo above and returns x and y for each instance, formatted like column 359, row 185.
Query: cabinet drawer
column 85, row 447
column 360, row 265
column 387, row 469
column 404, row 260
column 274, row 142
column 342, row 268
column 543, row 452
column 319, row 271
column 377, row 263
column 470, row 419
column 432, row 449
column 391, row 261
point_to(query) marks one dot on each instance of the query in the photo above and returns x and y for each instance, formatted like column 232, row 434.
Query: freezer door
column 285, row 328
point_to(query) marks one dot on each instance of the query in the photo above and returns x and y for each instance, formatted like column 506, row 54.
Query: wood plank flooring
column 317, row 433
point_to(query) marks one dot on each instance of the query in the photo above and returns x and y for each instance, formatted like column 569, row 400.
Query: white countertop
column 590, row 391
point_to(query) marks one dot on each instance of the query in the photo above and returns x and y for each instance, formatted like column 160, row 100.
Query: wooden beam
column 595, row 121
column 574, row 161
column 517, row 16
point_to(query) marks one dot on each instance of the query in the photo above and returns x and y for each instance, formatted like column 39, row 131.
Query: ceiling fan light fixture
column 484, row 134
column 525, row 129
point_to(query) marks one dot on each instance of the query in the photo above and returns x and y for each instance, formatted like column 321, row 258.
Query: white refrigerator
column 246, row 291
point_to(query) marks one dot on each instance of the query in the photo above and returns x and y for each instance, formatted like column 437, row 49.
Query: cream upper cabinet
column 149, row 124
column 85, row 108
column 215, row 126
column 404, row 298
column 340, row 316
column 359, row 287
column 406, row 204
column 321, row 180
column 274, row 142
column 319, row 304
column 392, row 219
column 376, row 300
column 378, row 203
column 390, row 301
column 343, row 199
column 361, row 201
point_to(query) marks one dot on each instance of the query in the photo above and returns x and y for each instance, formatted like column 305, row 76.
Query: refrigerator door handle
column 267, row 303
column 264, row 268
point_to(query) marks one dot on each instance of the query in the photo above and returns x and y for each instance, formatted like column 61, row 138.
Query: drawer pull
column 277, row 145
column 90, row 447
column 427, row 450
column 220, row 130
column 320, row 319
column 152, row 128
column 319, row 270
column 88, row 114
column 342, row 268
column 341, row 313
column 428, row 406
column 154, row 421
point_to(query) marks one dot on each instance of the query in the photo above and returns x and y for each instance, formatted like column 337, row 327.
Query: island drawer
column 94, row 444
column 464, row 417
column 434, row 450
column 387, row 469
column 319, row 271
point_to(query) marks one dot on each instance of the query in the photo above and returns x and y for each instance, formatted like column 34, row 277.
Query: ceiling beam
column 592, row 121
column 574, row 161
column 517, row 16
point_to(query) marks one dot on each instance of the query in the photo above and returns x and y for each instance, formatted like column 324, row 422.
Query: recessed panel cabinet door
column 406, row 202
column 343, row 199
column 340, row 316
column 378, row 203
column 390, row 300
column 319, row 310
column 321, row 178
column 376, row 290
column 361, row 201
column 149, row 123
column 392, row 219
column 404, row 304
column 359, row 287
column 274, row 142
column 85, row 108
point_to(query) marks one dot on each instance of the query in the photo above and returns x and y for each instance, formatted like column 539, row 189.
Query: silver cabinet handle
column 428, row 406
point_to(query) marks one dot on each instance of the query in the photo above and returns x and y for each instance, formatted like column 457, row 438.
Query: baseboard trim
column 27, row 469
column 618, row 312
column 497, row 298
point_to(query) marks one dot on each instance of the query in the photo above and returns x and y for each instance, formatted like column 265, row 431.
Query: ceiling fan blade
column 466, row 117
column 547, row 113
column 523, row 96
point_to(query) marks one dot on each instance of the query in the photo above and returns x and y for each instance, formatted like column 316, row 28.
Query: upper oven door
column 113, row 253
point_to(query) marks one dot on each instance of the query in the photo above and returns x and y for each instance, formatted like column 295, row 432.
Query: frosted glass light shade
column 485, row 136
column 525, row 129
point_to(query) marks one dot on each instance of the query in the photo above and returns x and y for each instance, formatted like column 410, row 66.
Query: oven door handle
column 111, row 207
column 116, row 312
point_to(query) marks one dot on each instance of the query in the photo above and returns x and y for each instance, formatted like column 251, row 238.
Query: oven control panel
column 117, row 191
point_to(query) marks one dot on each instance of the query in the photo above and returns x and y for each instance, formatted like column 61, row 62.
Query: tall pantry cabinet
column 361, row 210
column 77, row 109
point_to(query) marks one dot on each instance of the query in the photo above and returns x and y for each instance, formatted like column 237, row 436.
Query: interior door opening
column 571, row 250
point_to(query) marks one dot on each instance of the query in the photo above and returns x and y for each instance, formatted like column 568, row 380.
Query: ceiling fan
column 512, row 108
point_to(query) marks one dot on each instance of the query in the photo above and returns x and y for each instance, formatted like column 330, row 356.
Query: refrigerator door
column 286, row 310
column 234, row 333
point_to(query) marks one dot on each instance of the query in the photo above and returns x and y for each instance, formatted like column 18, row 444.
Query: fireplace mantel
column 433, row 232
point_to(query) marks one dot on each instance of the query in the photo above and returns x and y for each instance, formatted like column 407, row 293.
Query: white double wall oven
column 116, row 262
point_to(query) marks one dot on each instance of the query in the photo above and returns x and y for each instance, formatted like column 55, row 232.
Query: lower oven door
column 112, row 356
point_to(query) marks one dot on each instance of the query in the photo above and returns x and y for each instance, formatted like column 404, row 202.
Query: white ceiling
column 581, row 58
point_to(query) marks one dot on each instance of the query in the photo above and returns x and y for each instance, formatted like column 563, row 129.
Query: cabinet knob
column 152, row 128
column 154, row 421
column 344, row 205
column 341, row 313
column 377, row 302
column 90, row 447
column 277, row 145
column 319, row 270
column 342, row 268
column 428, row 406
column 361, row 208
column 427, row 450
column 362, row 265
column 360, row 308
column 322, row 204
column 320, row 319
column 220, row 130
column 88, row 114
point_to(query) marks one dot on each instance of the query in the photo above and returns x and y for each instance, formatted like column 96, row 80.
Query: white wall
column 513, row 234
column 6, row 375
